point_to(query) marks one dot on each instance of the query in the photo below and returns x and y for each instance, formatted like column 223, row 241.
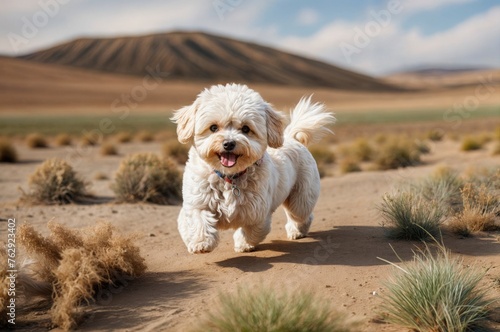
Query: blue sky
column 371, row 36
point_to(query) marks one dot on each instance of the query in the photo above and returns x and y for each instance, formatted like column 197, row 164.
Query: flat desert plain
column 338, row 261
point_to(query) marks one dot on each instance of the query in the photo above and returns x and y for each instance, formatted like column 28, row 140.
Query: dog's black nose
column 229, row 145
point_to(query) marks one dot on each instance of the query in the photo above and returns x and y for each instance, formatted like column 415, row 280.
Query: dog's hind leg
column 246, row 238
column 298, row 208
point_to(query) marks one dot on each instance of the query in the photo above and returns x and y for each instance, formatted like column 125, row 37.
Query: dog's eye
column 245, row 129
column 214, row 128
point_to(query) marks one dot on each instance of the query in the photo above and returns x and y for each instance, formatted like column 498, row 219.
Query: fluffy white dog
column 243, row 164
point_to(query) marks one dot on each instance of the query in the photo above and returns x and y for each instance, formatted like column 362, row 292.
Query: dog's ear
column 274, row 127
column 185, row 119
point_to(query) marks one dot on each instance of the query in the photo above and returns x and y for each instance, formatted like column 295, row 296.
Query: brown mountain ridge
column 202, row 57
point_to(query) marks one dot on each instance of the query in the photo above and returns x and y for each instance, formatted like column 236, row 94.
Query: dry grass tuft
column 8, row 153
column 481, row 211
column 77, row 262
column 145, row 136
column 496, row 149
column 397, row 152
column 322, row 154
column 87, row 140
column 144, row 177
column 470, row 143
column 123, row 137
column 55, row 182
column 108, row 149
column 362, row 150
column 434, row 135
column 349, row 165
column 63, row 140
column 99, row 176
column 36, row 140
column 177, row 151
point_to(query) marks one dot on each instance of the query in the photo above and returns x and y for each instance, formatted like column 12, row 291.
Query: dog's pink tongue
column 228, row 159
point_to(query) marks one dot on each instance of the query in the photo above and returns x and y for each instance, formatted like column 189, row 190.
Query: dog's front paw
column 244, row 248
column 200, row 247
column 293, row 233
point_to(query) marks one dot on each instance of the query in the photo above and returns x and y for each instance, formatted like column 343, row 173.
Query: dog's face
column 230, row 126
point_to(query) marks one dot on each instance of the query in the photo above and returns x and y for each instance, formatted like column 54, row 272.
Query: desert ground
column 338, row 261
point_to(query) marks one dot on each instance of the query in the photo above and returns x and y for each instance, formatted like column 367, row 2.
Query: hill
column 202, row 57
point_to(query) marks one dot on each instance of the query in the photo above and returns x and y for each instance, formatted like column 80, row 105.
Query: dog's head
column 230, row 126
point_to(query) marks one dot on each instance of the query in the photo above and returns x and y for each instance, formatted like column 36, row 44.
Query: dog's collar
column 231, row 178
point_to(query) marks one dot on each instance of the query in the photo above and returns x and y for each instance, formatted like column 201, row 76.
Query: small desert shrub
column 266, row 310
column 88, row 140
column 100, row 176
column 176, row 150
column 362, row 150
column 8, row 153
column 397, row 152
column 409, row 216
column 434, row 135
column 123, row 137
column 496, row 149
column 497, row 133
column 436, row 292
column 36, row 140
column 147, row 178
column 349, row 165
column 481, row 211
column 444, row 188
column 145, row 136
column 63, row 140
column 55, row 182
column 76, row 263
column 322, row 155
column 422, row 147
column 470, row 143
column 108, row 149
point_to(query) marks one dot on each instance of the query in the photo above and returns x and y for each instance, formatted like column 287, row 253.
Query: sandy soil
column 338, row 261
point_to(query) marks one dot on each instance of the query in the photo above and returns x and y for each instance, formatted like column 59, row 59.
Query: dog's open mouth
column 228, row 159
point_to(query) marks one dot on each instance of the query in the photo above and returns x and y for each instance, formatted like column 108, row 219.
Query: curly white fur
column 272, row 166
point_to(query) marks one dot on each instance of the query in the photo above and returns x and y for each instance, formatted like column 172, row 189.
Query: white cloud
column 412, row 6
column 472, row 42
column 307, row 16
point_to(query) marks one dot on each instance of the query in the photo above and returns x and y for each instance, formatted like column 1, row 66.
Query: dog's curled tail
column 309, row 122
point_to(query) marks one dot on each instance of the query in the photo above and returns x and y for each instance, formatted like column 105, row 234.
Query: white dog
column 242, row 166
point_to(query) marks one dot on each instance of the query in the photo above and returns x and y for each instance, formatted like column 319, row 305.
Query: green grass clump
column 36, row 141
column 470, row 143
column 444, row 188
column 436, row 292
column 8, row 153
column 55, row 182
column 144, row 177
column 266, row 310
column 397, row 152
column 409, row 216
